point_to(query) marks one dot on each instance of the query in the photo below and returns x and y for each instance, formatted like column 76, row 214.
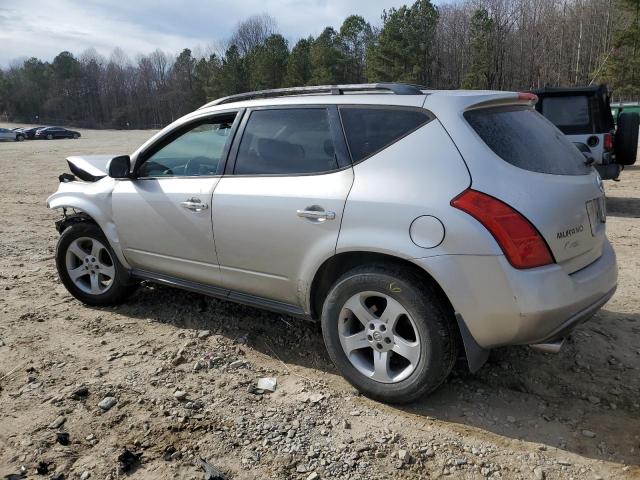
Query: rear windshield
column 525, row 139
column 571, row 111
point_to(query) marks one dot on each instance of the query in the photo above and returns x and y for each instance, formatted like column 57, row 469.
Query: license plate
column 597, row 212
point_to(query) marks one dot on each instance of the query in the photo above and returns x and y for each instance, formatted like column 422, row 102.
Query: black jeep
column 584, row 115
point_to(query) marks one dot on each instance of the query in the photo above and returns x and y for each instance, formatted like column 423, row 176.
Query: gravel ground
column 146, row 389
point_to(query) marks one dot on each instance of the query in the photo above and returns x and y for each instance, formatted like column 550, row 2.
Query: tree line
column 476, row 44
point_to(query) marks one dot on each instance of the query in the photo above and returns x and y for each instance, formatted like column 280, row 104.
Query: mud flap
column 476, row 355
column 608, row 172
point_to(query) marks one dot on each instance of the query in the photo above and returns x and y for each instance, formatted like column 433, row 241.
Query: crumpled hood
column 89, row 168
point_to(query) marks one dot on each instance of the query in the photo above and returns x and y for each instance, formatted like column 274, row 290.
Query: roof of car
column 395, row 88
column 391, row 94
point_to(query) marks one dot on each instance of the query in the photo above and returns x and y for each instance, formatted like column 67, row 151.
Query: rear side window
column 286, row 142
column 369, row 130
column 525, row 139
column 570, row 111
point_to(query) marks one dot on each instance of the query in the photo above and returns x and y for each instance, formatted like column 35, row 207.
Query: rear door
column 524, row 160
column 279, row 206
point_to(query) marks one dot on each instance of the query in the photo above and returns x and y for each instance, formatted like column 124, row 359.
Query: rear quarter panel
column 552, row 203
column 418, row 175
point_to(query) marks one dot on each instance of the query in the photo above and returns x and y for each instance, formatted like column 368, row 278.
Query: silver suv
column 413, row 224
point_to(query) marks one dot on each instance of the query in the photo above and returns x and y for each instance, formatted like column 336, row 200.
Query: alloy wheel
column 90, row 265
column 379, row 337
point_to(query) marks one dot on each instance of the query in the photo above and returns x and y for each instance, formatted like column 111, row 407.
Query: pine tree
column 234, row 75
column 355, row 36
column 326, row 59
column 482, row 27
column 299, row 65
column 404, row 50
column 269, row 63
column 622, row 67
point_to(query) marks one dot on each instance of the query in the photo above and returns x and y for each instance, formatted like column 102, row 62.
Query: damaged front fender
column 95, row 200
column 89, row 168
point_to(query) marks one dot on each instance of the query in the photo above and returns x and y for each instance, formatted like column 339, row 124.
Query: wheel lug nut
column 369, row 337
column 379, row 346
column 387, row 340
column 371, row 326
column 383, row 328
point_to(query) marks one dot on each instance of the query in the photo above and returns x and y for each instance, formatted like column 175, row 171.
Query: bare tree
column 252, row 32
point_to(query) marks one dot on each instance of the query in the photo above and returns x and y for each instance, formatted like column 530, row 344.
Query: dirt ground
column 181, row 369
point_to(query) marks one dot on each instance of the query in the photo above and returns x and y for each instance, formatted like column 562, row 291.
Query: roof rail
column 396, row 88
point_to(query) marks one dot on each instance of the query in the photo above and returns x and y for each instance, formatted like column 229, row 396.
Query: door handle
column 319, row 215
column 194, row 204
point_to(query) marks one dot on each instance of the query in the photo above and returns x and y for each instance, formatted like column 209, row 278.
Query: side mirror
column 119, row 167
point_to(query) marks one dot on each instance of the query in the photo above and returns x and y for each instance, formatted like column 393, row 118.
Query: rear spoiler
column 518, row 98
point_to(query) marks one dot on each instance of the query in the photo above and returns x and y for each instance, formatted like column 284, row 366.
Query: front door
column 163, row 215
column 6, row 134
column 279, row 206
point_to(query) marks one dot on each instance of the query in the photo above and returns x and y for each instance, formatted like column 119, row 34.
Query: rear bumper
column 576, row 319
column 501, row 305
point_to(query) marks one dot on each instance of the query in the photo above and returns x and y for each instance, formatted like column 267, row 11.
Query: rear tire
column 19, row 138
column 626, row 140
column 89, row 268
column 404, row 317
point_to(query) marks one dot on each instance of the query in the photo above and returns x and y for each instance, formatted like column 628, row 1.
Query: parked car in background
column 624, row 107
column 51, row 133
column 584, row 114
column 411, row 223
column 13, row 135
column 30, row 133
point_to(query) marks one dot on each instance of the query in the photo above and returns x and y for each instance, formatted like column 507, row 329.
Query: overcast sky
column 43, row 28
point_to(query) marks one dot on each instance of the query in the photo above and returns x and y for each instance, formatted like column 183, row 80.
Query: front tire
column 89, row 268
column 19, row 138
column 389, row 333
column 49, row 137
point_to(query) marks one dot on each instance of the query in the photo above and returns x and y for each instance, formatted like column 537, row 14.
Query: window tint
column 525, row 139
column 566, row 111
column 194, row 153
column 287, row 141
column 369, row 130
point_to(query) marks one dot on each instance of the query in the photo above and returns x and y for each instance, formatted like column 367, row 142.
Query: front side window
column 372, row 129
column 286, row 141
column 198, row 151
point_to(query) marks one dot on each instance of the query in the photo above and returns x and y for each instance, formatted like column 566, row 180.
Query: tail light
column 532, row 98
column 521, row 243
column 608, row 142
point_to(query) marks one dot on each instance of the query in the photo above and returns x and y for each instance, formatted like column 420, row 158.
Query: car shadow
column 627, row 207
column 579, row 400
